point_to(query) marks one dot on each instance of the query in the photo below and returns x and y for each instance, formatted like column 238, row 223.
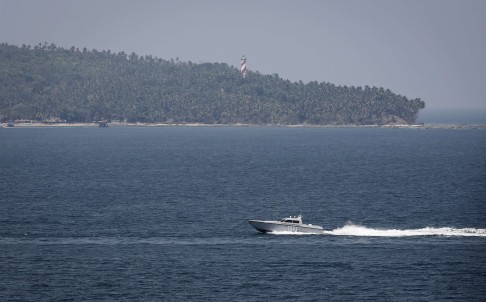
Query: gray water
column 160, row 214
column 461, row 116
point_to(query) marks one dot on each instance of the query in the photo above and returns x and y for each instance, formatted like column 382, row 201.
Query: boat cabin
column 296, row 219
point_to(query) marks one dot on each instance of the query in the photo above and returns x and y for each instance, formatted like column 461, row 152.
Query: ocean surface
column 160, row 214
column 461, row 116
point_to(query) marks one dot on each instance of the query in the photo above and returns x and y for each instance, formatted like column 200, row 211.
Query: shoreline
column 119, row 124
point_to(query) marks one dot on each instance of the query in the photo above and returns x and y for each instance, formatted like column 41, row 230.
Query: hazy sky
column 431, row 49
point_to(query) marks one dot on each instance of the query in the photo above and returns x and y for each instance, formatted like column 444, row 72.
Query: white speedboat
column 291, row 224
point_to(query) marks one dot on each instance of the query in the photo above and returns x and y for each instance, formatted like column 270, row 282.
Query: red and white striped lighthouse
column 243, row 66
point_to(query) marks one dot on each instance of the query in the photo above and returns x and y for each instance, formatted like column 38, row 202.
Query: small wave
column 112, row 241
column 357, row 230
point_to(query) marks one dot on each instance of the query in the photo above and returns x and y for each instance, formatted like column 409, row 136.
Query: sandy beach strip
column 122, row 124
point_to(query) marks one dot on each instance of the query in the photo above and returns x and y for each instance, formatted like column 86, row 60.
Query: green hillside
column 49, row 82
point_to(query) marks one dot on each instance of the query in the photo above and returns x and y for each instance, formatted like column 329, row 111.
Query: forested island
column 50, row 83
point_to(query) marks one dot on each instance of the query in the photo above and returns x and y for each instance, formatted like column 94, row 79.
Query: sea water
column 160, row 214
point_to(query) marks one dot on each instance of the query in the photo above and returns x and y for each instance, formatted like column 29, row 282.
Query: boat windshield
column 289, row 221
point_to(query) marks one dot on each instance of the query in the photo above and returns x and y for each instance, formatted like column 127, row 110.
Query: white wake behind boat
column 291, row 224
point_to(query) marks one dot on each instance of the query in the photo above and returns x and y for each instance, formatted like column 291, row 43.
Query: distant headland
column 50, row 83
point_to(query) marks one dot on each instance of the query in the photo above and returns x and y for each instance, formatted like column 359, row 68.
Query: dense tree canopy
column 46, row 82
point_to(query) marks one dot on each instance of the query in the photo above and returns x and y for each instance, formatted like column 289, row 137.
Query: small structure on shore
column 103, row 124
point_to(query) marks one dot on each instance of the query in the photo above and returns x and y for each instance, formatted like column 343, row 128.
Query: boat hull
column 282, row 227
